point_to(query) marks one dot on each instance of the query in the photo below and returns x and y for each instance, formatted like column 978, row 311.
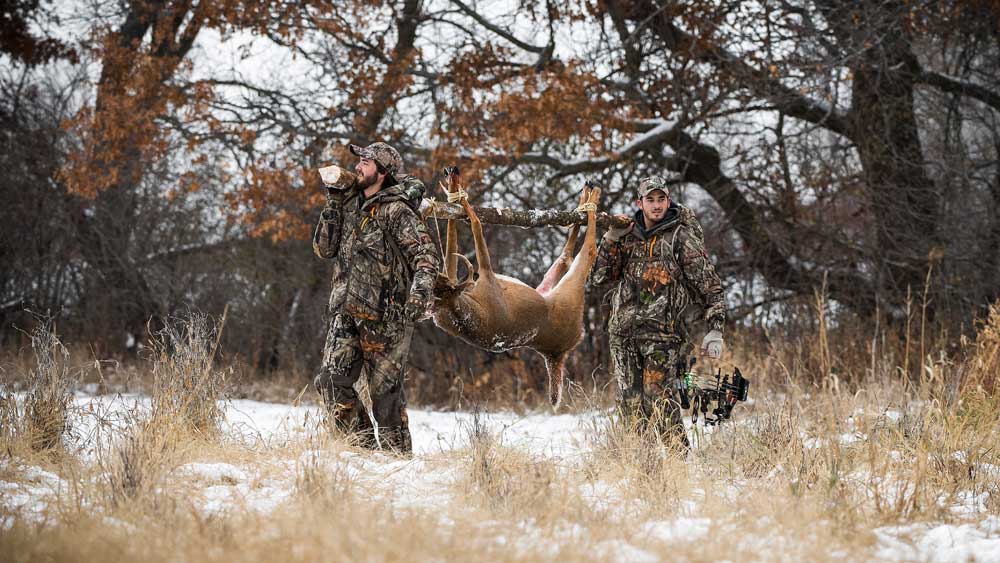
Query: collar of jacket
column 385, row 195
column 673, row 218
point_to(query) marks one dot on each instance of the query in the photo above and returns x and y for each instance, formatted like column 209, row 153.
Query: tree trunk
column 904, row 199
column 114, row 229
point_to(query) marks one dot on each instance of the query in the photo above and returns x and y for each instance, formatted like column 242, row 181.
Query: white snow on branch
column 656, row 132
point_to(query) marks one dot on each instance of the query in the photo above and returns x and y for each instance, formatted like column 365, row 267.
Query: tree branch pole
column 335, row 177
column 514, row 218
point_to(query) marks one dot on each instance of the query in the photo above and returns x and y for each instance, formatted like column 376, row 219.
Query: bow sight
column 698, row 391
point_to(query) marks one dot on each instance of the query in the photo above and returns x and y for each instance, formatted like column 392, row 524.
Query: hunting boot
column 396, row 440
column 364, row 432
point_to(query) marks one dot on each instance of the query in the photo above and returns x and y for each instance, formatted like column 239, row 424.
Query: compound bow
column 698, row 391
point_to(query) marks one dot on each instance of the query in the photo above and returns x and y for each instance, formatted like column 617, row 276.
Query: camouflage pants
column 377, row 350
column 646, row 375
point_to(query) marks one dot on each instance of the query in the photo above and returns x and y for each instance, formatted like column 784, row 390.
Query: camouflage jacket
column 659, row 279
column 384, row 255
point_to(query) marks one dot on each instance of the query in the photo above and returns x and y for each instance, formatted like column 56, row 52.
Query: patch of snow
column 852, row 437
column 214, row 472
column 620, row 550
column 969, row 504
column 679, row 529
column 29, row 498
column 662, row 128
column 942, row 542
column 601, row 495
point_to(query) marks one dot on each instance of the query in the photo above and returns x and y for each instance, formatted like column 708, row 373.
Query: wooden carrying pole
column 514, row 218
column 335, row 176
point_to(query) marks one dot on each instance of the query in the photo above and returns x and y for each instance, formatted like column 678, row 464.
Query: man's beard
column 367, row 181
column 654, row 217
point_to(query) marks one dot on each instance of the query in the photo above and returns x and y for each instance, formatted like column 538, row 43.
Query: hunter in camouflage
column 657, row 276
column 384, row 268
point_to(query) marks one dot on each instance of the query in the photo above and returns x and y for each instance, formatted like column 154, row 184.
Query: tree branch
column 497, row 29
column 518, row 218
column 701, row 164
column 654, row 134
column 757, row 81
column 956, row 86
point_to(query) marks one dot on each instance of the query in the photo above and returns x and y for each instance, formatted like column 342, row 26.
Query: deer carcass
column 499, row 313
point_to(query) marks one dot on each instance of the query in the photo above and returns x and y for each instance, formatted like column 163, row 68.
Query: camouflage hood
column 676, row 215
column 408, row 189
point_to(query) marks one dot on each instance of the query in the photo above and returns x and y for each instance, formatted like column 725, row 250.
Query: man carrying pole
column 657, row 271
column 385, row 264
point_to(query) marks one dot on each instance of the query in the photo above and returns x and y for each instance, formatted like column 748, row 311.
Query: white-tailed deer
column 498, row 313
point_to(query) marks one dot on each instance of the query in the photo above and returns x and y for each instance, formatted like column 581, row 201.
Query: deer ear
column 443, row 288
column 442, row 284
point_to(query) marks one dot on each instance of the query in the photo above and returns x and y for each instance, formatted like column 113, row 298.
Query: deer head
column 446, row 290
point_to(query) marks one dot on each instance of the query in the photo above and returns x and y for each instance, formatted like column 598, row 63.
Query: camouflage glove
column 334, row 201
column 336, row 195
column 615, row 234
column 414, row 311
column 711, row 345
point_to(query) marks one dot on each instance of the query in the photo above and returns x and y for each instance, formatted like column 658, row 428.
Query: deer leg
column 584, row 261
column 451, row 251
column 482, row 253
column 555, row 366
column 561, row 265
column 451, row 237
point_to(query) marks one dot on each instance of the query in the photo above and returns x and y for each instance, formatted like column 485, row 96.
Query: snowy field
column 267, row 449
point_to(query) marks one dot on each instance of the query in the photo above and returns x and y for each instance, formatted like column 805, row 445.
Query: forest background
column 159, row 156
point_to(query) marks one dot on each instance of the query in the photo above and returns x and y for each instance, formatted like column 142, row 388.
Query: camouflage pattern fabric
column 384, row 268
column 657, row 280
column 377, row 351
column 364, row 237
column 382, row 153
column 646, row 374
column 651, row 183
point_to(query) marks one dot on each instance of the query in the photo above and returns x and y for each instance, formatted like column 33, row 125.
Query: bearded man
column 385, row 264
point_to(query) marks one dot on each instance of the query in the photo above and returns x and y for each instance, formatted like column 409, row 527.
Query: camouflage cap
column 663, row 183
column 382, row 153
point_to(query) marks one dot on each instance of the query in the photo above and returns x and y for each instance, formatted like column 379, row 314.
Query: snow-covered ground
column 427, row 480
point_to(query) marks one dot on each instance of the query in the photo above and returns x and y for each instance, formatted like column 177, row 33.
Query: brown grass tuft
column 187, row 387
column 39, row 421
column 983, row 367
column 507, row 480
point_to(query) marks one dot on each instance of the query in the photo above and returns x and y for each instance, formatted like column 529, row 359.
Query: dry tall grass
column 187, row 387
column 840, row 449
column 39, row 421
column 184, row 413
